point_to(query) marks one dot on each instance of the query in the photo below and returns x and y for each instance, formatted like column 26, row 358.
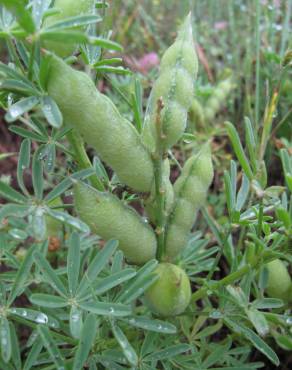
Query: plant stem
column 82, row 159
column 260, row 218
column 159, row 186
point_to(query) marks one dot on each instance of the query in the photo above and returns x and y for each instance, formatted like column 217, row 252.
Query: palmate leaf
column 10, row 194
column 255, row 340
column 169, row 352
column 15, row 354
column 19, row 87
column 76, row 321
column 73, row 22
column 107, row 308
column 51, row 346
column 16, row 210
column 23, row 163
column 51, row 111
column 48, row 300
column 18, row 8
column 151, row 324
column 127, row 348
column 68, row 219
column 105, row 43
column 96, row 266
column 67, row 183
column 86, row 340
column 22, row 106
column 37, row 174
column 38, row 10
column 237, row 146
column 27, row 134
column 33, row 354
column 49, row 274
column 134, row 289
column 5, row 339
column 35, row 316
column 105, row 284
column 73, row 263
column 22, row 274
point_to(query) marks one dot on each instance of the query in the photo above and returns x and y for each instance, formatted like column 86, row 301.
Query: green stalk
column 260, row 218
column 258, row 47
column 159, row 188
column 82, row 159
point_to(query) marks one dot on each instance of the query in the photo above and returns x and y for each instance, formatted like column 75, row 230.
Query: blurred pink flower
column 220, row 25
column 148, row 61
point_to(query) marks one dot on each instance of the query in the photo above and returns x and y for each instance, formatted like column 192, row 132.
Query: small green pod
column 196, row 117
column 67, row 8
column 175, row 86
column 279, row 281
column 151, row 204
column 218, row 98
column 190, row 194
column 97, row 120
column 110, row 218
column 170, row 294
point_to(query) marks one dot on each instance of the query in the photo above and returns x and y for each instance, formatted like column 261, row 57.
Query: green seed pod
column 100, row 124
column 108, row 217
column 279, row 281
column 217, row 99
column 150, row 203
column 196, row 118
column 170, row 294
column 67, row 8
column 190, row 193
column 175, row 85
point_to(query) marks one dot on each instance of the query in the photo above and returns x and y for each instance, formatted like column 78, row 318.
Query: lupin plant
column 102, row 263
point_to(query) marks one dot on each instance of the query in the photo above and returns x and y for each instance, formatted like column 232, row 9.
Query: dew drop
column 41, row 318
column 289, row 320
column 215, row 314
column 75, row 317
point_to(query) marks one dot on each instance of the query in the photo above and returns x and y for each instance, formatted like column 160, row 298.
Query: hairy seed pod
column 67, row 8
column 108, row 217
column 175, row 86
column 151, row 204
column 170, row 294
column 190, row 193
column 196, row 117
column 279, row 281
column 218, row 98
column 100, row 124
